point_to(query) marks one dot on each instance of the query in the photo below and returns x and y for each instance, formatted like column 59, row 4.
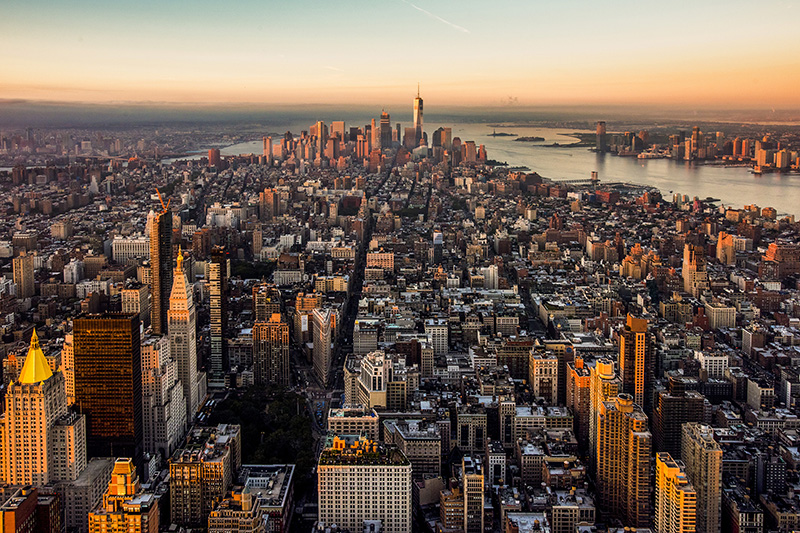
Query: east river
column 734, row 186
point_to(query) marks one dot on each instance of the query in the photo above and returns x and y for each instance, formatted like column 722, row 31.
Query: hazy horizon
column 463, row 52
column 22, row 113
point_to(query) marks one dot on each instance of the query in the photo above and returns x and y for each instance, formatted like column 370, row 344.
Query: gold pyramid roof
column 36, row 368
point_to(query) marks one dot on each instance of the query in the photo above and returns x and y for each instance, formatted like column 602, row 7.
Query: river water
column 734, row 186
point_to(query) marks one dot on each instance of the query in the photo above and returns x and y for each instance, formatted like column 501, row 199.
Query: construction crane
column 162, row 200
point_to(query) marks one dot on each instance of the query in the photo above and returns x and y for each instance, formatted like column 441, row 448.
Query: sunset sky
column 463, row 52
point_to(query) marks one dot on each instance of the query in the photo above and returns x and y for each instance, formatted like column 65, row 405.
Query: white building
column 714, row 363
column 360, row 480
column 125, row 249
column 163, row 405
column 437, row 330
column 182, row 329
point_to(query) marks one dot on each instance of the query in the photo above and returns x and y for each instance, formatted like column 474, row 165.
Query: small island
column 501, row 134
column 529, row 139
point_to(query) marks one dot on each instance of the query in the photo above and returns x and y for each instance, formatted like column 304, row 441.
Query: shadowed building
column 108, row 382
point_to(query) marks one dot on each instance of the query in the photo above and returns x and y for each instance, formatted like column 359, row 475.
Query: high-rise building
column 418, row 118
column 108, row 382
column 126, row 507
column 136, row 299
column 267, row 149
column 472, row 481
column 702, row 456
column 676, row 498
column 600, row 144
column 675, row 407
column 218, row 273
column 695, row 277
column 160, row 269
column 438, row 247
column 324, row 323
column 623, row 461
column 23, row 275
column 202, row 472
column 271, row 351
column 359, row 480
column 603, row 386
column 183, row 338
column 637, row 361
column 214, row 159
column 579, row 399
column 386, row 130
column 68, row 367
column 164, row 418
column 43, row 442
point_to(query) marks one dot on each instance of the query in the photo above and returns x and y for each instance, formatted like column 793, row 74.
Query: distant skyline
column 469, row 53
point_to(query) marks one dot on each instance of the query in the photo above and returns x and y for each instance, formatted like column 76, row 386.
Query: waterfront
column 734, row 186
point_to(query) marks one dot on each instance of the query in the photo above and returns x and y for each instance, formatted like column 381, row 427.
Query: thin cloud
column 437, row 17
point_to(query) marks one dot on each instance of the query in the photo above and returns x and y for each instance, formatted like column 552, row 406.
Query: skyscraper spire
column 418, row 117
column 36, row 368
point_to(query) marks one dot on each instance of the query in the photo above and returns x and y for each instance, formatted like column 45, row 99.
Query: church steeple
column 36, row 368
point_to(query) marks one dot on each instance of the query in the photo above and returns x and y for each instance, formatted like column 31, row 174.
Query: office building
column 136, row 299
column 214, row 159
column 43, row 442
column 274, row 487
column 23, row 275
column 623, row 461
column 80, row 497
column 219, row 270
column 420, row 441
column 472, row 483
column 676, row 498
column 385, row 383
column 126, row 507
column 183, row 339
column 702, row 456
column 569, row 509
column 360, row 480
column 202, row 472
column 160, row 269
column 385, row 131
column 324, row 325
column 271, row 351
column 514, row 354
column 543, row 376
column 239, row 512
column 418, row 119
column 164, row 420
column 600, row 143
column 353, row 421
column 108, row 382
column 637, row 361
